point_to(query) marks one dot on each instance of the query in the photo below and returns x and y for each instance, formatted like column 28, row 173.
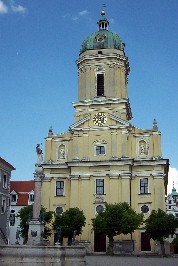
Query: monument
column 36, row 225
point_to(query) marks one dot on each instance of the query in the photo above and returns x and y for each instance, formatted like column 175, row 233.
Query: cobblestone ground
column 130, row 261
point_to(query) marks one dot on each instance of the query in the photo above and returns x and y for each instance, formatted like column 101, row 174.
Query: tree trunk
column 69, row 240
column 163, row 248
column 110, row 246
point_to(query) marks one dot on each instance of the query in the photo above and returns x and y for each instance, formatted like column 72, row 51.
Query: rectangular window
column 100, row 150
column 144, row 186
column 60, row 188
column 13, row 198
column 31, row 197
column 5, row 181
column 100, row 84
column 99, row 186
column 3, row 205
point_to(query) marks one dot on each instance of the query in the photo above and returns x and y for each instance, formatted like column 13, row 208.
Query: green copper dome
column 174, row 192
column 103, row 38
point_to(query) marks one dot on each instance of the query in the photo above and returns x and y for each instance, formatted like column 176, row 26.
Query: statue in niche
column 142, row 148
column 61, row 152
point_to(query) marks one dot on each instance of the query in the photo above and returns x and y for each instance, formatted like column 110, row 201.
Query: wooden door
column 99, row 243
column 145, row 242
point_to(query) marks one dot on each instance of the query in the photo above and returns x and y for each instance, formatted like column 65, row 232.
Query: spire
column 155, row 125
column 50, row 132
column 103, row 23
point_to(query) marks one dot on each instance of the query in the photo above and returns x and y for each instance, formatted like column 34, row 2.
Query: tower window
column 100, row 84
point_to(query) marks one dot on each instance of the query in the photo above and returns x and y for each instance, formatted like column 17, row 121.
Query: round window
column 99, row 209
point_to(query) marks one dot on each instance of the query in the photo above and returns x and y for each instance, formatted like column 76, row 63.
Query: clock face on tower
column 100, row 119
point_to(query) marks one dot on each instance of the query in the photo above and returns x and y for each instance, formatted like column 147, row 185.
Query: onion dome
column 103, row 38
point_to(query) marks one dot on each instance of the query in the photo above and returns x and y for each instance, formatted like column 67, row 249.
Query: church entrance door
column 99, row 243
column 145, row 242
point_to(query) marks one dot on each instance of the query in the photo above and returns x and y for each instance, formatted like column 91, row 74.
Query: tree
column 70, row 222
column 117, row 219
column 26, row 214
column 160, row 225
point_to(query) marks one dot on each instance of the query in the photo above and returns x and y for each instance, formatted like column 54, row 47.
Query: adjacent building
column 172, row 208
column 103, row 157
column 21, row 195
column 5, row 175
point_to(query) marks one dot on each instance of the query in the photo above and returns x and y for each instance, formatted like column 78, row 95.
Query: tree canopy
column 160, row 225
column 26, row 214
column 116, row 219
column 71, row 221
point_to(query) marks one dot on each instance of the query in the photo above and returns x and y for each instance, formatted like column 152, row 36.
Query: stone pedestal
column 35, row 233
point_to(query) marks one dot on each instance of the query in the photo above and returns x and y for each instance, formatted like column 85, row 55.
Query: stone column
column 36, row 225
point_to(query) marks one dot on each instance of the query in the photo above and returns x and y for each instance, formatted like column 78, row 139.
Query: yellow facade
column 103, row 157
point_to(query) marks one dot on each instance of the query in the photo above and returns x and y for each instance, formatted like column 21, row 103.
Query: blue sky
column 39, row 44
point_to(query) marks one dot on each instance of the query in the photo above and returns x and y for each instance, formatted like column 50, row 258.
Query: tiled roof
column 22, row 200
column 22, row 186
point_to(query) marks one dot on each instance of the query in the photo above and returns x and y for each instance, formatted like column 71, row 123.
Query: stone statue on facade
column 39, row 154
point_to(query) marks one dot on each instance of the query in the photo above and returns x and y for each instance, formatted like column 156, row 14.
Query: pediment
column 119, row 120
column 80, row 122
column 120, row 123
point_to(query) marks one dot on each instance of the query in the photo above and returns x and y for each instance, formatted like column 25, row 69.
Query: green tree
column 160, row 225
column 116, row 219
column 71, row 221
column 26, row 214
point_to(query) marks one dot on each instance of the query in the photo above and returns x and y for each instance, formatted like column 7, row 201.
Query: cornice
column 100, row 100
column 101, row 56
column 118, row 162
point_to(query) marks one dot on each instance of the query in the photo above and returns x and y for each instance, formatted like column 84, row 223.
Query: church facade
column 103, row 157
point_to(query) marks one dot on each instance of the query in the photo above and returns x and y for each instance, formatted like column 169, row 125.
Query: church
column 103, row 157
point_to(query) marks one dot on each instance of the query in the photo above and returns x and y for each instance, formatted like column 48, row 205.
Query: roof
column 22, row 186
column 102, row 39
column 22, row 200
column 7, row 164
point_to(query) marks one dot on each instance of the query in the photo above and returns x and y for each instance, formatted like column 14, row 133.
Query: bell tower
column 103, row 71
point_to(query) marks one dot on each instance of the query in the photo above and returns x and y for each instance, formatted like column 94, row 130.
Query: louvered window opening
column 100, row 85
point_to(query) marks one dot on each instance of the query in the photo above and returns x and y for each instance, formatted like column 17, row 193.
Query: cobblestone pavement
column 130, row 261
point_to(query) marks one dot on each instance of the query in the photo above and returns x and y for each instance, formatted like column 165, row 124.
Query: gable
column 92, row 125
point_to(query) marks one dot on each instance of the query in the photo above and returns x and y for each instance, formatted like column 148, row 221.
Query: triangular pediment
column 80, row 122
column 120, row 123
column 119, row 120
